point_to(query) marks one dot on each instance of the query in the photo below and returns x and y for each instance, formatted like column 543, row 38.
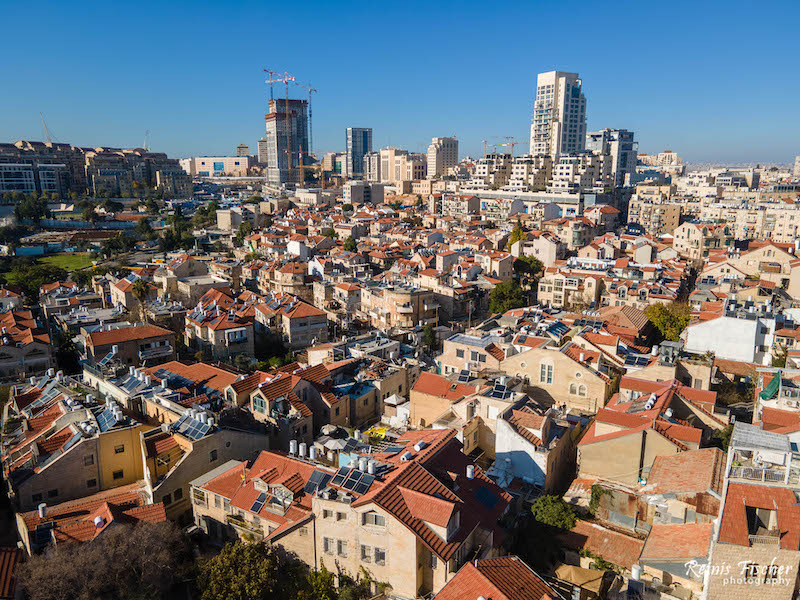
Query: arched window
column 581, row 390
column 573, row 389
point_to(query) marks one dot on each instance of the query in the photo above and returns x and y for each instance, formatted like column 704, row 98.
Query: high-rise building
column 287, row 140
column 262, row 150
column 372, row 166
column 559, row 115
column 359, row 143
column 442, row 155
column 619, row 145
column 797, row 166
column 242, row 150
column 399, row 165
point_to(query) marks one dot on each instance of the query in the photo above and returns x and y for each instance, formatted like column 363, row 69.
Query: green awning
column 772, row 389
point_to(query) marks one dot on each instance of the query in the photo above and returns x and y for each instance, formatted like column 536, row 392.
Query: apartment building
column 25, row 346
column 374, row 515
column 758, row 529
column 399, row 165
column 574, row 232
column 620, row 147
column 442, row 156
column 301, row 324
column 530, row 173
column 656, row 218
column 559, row 115
column 216, row 166
column 581, row 171
column 460, row 206
column 136, row 345
column 286, row 137
column 398, row 306
column 694, row 240
column 221, row 334
column 472, row 352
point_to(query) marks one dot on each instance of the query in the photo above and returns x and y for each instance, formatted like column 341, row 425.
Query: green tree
column 350, row 244
column 517, row 234
column 528, row 268
column 90, row 215
column 31, row 207
column 429, row 336
column 506, row 296
column 144, row 229
column 721, row 438
column 255, row 571
column 140, row 291
column 245, row 229
column 669, row 319
column 347, row 208
column 553, row 511
column 30, row 277
column 330, row 233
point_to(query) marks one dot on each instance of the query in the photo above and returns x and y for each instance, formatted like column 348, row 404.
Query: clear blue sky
column 715, row 81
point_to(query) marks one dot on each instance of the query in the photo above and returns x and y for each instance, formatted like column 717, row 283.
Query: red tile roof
column 504, row 578
column 734, row 527
column 9, row 562
column 613, row 546
column 680, row 542
column 692, row 471
column 436, row 385
column 127, row 334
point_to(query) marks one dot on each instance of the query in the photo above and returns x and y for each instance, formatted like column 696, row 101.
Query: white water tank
column 362, row 464
column 302, row 449
column 636, row 572
column 406, row 456
column 312, row 453
column 147, row 380
column 293, row 447
column 43, row 510
column 51, row 372
column 470, row 471
column 419, row 445
column 99, row 522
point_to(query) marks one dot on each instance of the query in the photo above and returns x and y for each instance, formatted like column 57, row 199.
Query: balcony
column 155, row 352
column 405, row 309
column 766, row 538
column 243, row 525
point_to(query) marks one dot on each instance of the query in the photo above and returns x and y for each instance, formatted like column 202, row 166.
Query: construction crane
column 46, row 130
column 510, row 143
column 285, row 79
column 311, row 90
column 146, row 144
column 271, row 75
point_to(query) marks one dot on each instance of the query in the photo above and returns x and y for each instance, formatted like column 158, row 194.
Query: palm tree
column 140, row 291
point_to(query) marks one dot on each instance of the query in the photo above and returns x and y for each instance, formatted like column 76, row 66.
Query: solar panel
column 340, row 476
column 106, row 420
column 352, row 479
column 363, row 484
column 259, row 503
column 72, row 441
column 393, row 449
column 318, row 480
column 463, row 376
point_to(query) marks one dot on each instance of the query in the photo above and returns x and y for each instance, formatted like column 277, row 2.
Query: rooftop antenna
column 46, row 130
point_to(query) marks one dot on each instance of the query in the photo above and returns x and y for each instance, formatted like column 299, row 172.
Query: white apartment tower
column 559, row 115
column 442, row 156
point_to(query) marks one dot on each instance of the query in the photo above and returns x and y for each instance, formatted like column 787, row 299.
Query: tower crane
column 285, row 79
column 510, row 143
column 271, row 75
column 311, row 90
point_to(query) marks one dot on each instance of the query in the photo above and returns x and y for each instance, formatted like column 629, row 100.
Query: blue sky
column 713, row 81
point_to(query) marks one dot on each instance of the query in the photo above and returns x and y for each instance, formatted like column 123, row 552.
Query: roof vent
column 99, row 522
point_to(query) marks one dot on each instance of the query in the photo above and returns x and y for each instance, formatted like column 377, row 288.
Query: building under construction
column 286, row 141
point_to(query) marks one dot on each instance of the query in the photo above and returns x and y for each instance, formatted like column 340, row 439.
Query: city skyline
column 664, row 90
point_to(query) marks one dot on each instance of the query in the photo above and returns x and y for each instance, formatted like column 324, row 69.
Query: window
column 36, row 498
column 217, row 501
column 751, row 570
column 341, row 548
column 118, row 474
column 366, row 401
column 337, row 411
column 259, row 404
column 380, row 556
column 573, row 389
column 303, row 532
column 433, row 561
column 327, row 514
column 375, row 519
column 90, row 483
column 546, row 373
column 340, row 516
column 88, row 460
column 52, row 493
column 581, row 390
column 366, row 553
column 212, row 456
column 166, row 499
column 327, row 545
column 771, row 573
column 119, row 449
column 178, row 494
column 460, row 353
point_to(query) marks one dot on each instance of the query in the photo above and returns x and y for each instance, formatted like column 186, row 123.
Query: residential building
column 381, row 520
column 217, row 166
column 619, row 145
column 400, row 306
column 559, row 115
column 656, row 218
column 25, row 346
column 363, row 192
column 242, row 150
column 442, row 156
column 358, row 144
column 301, row 324
column 695, row 240
column 502, row 578
column 137, row 345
